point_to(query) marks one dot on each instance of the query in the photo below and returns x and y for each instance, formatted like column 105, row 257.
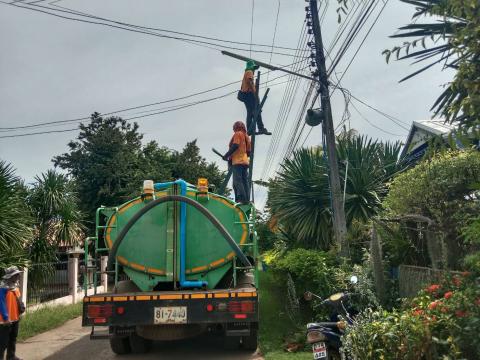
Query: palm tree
column 15, row 219
column 299, row 197
column 454, row 38
column 58, row 221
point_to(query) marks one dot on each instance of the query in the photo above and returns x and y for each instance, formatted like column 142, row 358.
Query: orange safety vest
column 11, row 300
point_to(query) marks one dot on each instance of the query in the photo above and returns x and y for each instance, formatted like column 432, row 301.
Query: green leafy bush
column 311, row 270
column 320, row 273
column 442, row 322
column 471, row 234
column 445, row 190
column 363, row 292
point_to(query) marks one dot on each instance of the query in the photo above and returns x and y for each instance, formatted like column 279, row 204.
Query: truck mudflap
column 227, row 307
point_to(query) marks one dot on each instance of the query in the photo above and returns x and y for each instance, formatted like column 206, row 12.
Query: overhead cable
column 128, row 27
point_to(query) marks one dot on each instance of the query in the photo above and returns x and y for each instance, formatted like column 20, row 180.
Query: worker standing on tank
column 11, row 307
column 238, row 157
column 248, row 96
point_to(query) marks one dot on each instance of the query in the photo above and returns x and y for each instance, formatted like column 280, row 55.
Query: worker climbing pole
column 248, row 94
column 242, row 147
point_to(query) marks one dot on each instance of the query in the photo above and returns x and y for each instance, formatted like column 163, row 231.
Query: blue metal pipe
column 184, row 283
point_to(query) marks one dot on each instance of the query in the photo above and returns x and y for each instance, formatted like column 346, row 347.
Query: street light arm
column 267, row 66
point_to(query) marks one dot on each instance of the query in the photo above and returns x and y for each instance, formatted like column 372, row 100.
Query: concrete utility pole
column 339, row 223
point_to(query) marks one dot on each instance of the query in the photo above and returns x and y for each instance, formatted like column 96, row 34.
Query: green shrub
column 318, row 272
column 443, row 189
column 442, row 322
column 311, row 270
column 363, row 292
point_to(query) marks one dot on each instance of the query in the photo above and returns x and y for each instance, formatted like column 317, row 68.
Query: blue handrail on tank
column 184, row 283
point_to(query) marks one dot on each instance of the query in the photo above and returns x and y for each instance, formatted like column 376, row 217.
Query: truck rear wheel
column 120, row 345
column 250, row 342
column 138, row 344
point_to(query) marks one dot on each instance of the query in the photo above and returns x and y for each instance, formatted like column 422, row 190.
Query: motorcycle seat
column 319, row 325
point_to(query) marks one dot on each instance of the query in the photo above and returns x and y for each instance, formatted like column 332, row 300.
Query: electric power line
column 62, row 122
column 167, row 110
column 274, row 34
column 132, row 28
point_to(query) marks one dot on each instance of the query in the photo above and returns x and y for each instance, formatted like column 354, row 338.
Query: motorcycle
column 325, row 337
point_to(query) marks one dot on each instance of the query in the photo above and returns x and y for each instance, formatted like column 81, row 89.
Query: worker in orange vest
column 11, row 307
column 247, row 95
column 238, row 155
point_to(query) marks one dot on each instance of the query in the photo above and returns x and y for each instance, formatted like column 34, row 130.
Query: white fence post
column 73, row 278
column 104, row 276
column 23, row 285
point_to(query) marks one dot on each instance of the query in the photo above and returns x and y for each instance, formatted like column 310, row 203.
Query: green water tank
column 150, row 252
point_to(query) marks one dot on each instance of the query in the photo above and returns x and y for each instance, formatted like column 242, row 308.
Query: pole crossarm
column 267, row 66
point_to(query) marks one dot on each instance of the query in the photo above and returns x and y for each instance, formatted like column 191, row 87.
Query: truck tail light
column 99, row 311
column 241, row 306
column 120, row 310
column 210, row 307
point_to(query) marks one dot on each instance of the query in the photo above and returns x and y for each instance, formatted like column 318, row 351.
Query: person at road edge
column 11, row 307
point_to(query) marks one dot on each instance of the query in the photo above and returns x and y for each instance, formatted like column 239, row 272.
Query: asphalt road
column 71, row 341
column 200, row 348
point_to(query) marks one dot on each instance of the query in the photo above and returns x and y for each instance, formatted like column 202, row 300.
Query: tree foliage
column 15, row 219
column 57, row 218
column 443, row 189
column 453, row 39
column 108, row 163
column 103, row 161
column 299, row 197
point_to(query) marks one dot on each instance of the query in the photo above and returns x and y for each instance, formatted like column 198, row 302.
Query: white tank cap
column 147, row 186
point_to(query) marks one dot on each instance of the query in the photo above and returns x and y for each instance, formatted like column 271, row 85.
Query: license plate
column 170, row 315
column 319, row 350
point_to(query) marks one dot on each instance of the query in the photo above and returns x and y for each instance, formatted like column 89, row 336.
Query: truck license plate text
column 170, row 315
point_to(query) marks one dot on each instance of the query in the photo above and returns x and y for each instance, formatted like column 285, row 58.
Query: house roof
column 436, row 127
column 422, row 131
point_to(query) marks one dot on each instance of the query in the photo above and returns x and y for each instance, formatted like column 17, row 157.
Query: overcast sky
column 55, row 69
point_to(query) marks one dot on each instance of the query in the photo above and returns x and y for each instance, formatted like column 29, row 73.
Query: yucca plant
column 15, row 219
column 299, row 197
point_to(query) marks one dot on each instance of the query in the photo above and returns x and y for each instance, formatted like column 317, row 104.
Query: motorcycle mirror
column 307, row 295
column 353, row 279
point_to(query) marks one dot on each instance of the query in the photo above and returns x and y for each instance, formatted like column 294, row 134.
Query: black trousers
column 250, row 102
column 8, row 339
column 240, row 183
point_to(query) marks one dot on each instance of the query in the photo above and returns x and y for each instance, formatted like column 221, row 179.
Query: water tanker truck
column 183, row 263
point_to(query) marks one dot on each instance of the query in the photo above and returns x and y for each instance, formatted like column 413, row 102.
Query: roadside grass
column 47, row 318
column 275, row 325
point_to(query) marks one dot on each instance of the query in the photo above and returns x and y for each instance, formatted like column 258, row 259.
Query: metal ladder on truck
column 93, row 263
